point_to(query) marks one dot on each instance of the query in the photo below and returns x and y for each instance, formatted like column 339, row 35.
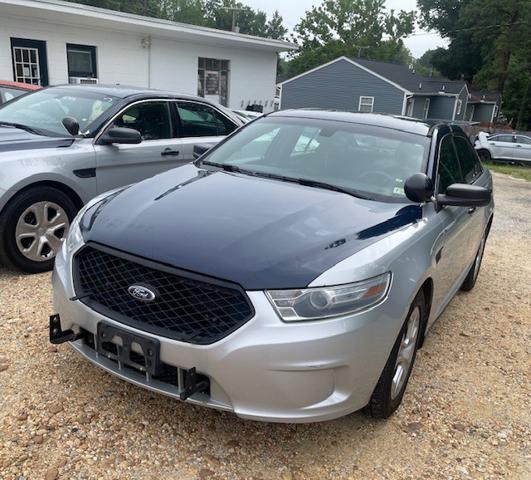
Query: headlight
column 325, row 302
column 74, row 238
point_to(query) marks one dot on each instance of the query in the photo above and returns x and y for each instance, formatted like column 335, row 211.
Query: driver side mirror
column 418, row 188
column 71, row 125
column 122, row 135
column 464, row 195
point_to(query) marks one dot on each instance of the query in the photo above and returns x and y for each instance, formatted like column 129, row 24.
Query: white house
column 51, row 42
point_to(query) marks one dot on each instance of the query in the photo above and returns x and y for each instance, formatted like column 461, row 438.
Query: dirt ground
column 465, row 415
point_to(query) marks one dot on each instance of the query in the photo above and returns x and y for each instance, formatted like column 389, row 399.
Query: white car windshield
column 44, row 110
column 371, row 161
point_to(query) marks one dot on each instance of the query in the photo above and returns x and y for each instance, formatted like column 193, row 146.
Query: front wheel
column 392, row 383
column 33, row 227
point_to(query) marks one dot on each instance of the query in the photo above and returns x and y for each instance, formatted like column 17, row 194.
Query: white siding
column 122, row 59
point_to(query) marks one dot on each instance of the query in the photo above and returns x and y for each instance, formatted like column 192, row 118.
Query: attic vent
column 444, row 88
column 420, row 85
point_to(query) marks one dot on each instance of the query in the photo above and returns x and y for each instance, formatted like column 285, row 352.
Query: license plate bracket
column 116, row 343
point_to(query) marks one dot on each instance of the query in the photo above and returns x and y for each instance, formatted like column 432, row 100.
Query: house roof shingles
column 411, row 81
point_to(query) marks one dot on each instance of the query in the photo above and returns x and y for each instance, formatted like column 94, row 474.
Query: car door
column 522, row 148
column 200, row 123
column 472, row 171
column 452, row 249
column 501, row 146
column 160, row 149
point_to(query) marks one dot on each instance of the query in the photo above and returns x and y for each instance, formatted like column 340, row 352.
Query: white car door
column 501, row 146
column 160, row 149
column 201, row 123
column 522, row 148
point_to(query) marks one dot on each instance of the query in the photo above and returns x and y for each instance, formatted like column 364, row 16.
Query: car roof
column 19, row 85
column 123, row 91
column 395, row 122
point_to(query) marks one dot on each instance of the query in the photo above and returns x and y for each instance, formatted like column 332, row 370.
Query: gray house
column 482, row 106
column 361, row 85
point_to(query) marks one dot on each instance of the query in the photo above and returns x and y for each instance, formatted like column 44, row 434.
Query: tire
column 388, row 393
column 473, row 273
column 26, row 246
column 484, row 155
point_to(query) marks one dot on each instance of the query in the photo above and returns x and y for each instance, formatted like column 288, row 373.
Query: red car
column 10, row 90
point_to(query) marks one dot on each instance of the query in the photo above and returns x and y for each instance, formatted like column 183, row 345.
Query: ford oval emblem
column 144, row 293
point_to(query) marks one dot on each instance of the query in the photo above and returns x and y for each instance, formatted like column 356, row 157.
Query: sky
column 293, row 10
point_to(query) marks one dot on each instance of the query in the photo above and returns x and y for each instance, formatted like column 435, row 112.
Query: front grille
column 188, row 307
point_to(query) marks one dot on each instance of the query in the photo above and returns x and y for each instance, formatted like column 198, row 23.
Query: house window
column 213, row 79
column 81, row 61
column 426, row 109
column 459, row 106
column 29, row 61
column 366, row 104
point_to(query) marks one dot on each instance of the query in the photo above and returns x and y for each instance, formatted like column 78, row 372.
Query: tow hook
column 57, row 335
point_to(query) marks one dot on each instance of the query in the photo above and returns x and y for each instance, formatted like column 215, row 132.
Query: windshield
column 373, row 161
column 44, row 110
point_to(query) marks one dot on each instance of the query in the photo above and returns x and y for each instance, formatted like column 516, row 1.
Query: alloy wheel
column 41, row 230
column 406, row 352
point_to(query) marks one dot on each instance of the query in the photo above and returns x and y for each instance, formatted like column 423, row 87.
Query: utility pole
column 233, row 10
column 145, row 4
column 360, row 48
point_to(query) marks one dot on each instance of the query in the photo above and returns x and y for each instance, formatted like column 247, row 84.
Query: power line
column 419, row 34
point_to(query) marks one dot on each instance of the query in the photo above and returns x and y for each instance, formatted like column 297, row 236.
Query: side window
column 523, row 139
column 449, row 169
column 199, row 120
column 470, row 165
column 501, row 138
column 151, row 119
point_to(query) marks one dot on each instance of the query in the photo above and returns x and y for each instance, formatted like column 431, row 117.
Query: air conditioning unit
column 82, row 81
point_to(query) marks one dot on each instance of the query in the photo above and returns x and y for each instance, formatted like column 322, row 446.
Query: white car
column 505, row 147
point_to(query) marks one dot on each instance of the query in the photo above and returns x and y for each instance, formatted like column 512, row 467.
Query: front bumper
column 267, row 369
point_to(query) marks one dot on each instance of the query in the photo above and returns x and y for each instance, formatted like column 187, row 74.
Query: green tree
column 351, row 28
column 490, row 45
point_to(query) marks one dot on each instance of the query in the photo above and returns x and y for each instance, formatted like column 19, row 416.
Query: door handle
column 518, row 146
column 168, row 152
column 471, row 210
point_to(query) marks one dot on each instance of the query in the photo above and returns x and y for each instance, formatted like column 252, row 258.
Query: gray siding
column 418, row 106
column 483, row 112
column 442, row 108
column 463, row 96
column 339, row 86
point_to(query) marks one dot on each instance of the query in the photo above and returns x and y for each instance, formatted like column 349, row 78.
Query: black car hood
column 257, row 232
column 12, row 139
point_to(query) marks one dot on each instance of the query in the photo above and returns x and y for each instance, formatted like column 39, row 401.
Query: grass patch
column 518, row 171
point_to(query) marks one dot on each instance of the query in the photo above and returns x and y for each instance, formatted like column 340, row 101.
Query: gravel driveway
column 465, row 415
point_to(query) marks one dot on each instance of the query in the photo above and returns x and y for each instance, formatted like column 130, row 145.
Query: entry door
column 212, row 84
column 160, row 150
column 29, row 61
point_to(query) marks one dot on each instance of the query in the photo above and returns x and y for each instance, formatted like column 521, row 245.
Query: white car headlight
column 325, row 302
column 74, row 238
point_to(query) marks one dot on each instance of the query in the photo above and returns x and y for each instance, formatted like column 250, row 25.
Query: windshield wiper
column 20, row 126
column 301, row 181
column 330, row 186
column 228, row 167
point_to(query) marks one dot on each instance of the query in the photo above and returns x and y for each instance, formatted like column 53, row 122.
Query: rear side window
column 524, row 140
column 470, row 165
column 200, row 120
column 501, row 138
column 449, row 169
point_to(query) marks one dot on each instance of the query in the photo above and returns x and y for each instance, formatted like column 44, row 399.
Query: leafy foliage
column 208, row 13
column 490, row 44
column 351, row 28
